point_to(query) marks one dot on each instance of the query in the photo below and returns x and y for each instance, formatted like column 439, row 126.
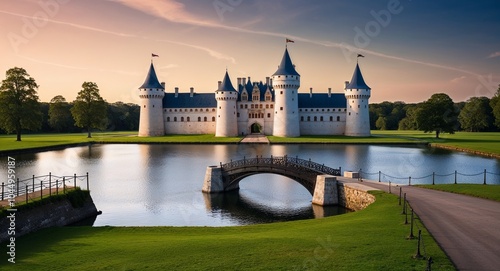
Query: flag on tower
column 360, row 55
column 289, row 40
column 154, row 55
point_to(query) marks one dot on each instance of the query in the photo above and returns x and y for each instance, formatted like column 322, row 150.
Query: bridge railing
column 53, row 184
column 284, row 161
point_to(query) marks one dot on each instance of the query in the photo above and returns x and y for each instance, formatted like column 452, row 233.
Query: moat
column 160, row 185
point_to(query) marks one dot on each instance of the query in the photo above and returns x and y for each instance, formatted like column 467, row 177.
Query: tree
column 381, row 123
column 19, row 106
column 410, row 121
column 89, row 108
column 495, row 105
column 476, row 114
column 59, row 114
column 437, row 114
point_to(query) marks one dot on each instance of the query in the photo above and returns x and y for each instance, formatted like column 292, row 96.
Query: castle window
column 205, row 119
column 246, row 106
column 241, row 106
column 220, row 107
column 268, row 115
column 213, row 110
column 358, row 105
column 308, row 118
column 349, row 113
column 153, row 105
column 175, row 110
column 315, row 118
column 175, row 118
column 338, row 118
column 302, row 118
column 272, row 106
column 267, row 106
column 144, row 106
column 213, row 118
column 182, row 119
column 281, row 108
column 206, row 110
column 268, row 98
column 168, row 119
column 281, row 92
column 321, row 118
column 170, row 110
column 238, row 115
column 196, row 110
column 251, row 106
column 199, row 118
column 323, row 110
column 331, row 118
column 345, row 109
column 190, row 110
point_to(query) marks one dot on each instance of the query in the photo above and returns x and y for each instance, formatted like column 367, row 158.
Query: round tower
column 286, row 83
column 151, row 95
column 226, row 121
column 357, row 94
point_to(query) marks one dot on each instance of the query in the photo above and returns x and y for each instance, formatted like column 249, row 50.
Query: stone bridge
column 318, row 179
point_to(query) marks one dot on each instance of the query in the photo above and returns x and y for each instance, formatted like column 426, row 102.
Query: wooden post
column 379, row 176
column 88, row 181
column 27, row 194
column 484, row 178
column 2, row 189
column 433, row 175
column 455, row 177
column 41, row 189
column 74, row 180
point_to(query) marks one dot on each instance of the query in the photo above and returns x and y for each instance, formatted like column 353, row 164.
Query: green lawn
column 477, row 190
column 484, row 143
column 371, row 239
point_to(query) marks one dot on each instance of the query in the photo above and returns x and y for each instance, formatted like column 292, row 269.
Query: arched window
column 205, row 119
column 308, row 118
column 168, row 119
column 188, row 119
column 315, row 118
column 321, row 118
column 338, row 118
column 213, row 118
column 175, row 118
column 302, row 118
column 199, row 118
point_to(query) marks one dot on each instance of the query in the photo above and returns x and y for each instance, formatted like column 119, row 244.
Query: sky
column 412, row 48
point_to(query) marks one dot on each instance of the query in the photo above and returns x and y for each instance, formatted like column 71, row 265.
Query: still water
column 152, row 185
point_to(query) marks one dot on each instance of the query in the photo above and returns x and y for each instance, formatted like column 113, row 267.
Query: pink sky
column 417, row 51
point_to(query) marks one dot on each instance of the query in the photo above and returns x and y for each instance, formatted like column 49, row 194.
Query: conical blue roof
column 286, row 67
column 357, row 81
column 226, row 84
column 151, row 79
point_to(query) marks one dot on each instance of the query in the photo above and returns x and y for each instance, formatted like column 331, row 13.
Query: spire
column 151, row 79
column 286, row 67
column 226, row 84
column 357, row 81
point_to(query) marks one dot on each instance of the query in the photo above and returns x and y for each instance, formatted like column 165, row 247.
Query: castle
column 271, row 108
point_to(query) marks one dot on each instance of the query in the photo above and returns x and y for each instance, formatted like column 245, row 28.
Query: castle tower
column 286, row 83
column 151, row 94
column 226, row 96
column 357, row 116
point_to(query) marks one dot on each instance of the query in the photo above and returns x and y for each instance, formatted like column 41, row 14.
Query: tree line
column 438, row 114
column 21, row 110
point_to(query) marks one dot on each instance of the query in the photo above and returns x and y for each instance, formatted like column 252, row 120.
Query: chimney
column 310, row 92
column 191, row 91
column 346, row 84
column 329, row 92
column 267, row 80
column 219, row 84
column 271, row 82
column 239, row 81
column 176, row 92
column 163, row 85
column 244, row 81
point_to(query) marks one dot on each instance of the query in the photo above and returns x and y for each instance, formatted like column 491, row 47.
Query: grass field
column 371, row 239
column 476, row 190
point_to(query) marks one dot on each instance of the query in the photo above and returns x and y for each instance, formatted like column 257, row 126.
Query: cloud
column 495, row 54
column 458, row 79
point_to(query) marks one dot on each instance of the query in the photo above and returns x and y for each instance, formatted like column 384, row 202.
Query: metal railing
column 483, row 177
column 47, row 185
column 293, row 163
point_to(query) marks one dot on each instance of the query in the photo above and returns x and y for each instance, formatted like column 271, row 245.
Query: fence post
column 400, row 190
column 404, row 204
column 64, row 185
column 429, row 264
column 74, row 180
column 418, row 255
column 50, row 186
column 2, row 189
column 41, row 189
column 379, row 176
column 26, row 194
column 359, row 175
column 17, row 187
column 88, row 181
column 390, row 187
column 411, row 225
column 409, row 181
column 433, row 174
column 33, row 184
column 484, row 178
column 455, row 177
column 57, row 186
column 406, row 213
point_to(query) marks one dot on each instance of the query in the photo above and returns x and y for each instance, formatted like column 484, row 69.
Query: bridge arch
column 302, row 171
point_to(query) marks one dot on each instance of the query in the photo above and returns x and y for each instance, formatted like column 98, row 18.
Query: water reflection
column 149, row 185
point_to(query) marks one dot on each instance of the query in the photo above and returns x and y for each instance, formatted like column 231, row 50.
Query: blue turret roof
column 226, row 84
column 151, row 79
column 286, row 67
column 357, row 81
